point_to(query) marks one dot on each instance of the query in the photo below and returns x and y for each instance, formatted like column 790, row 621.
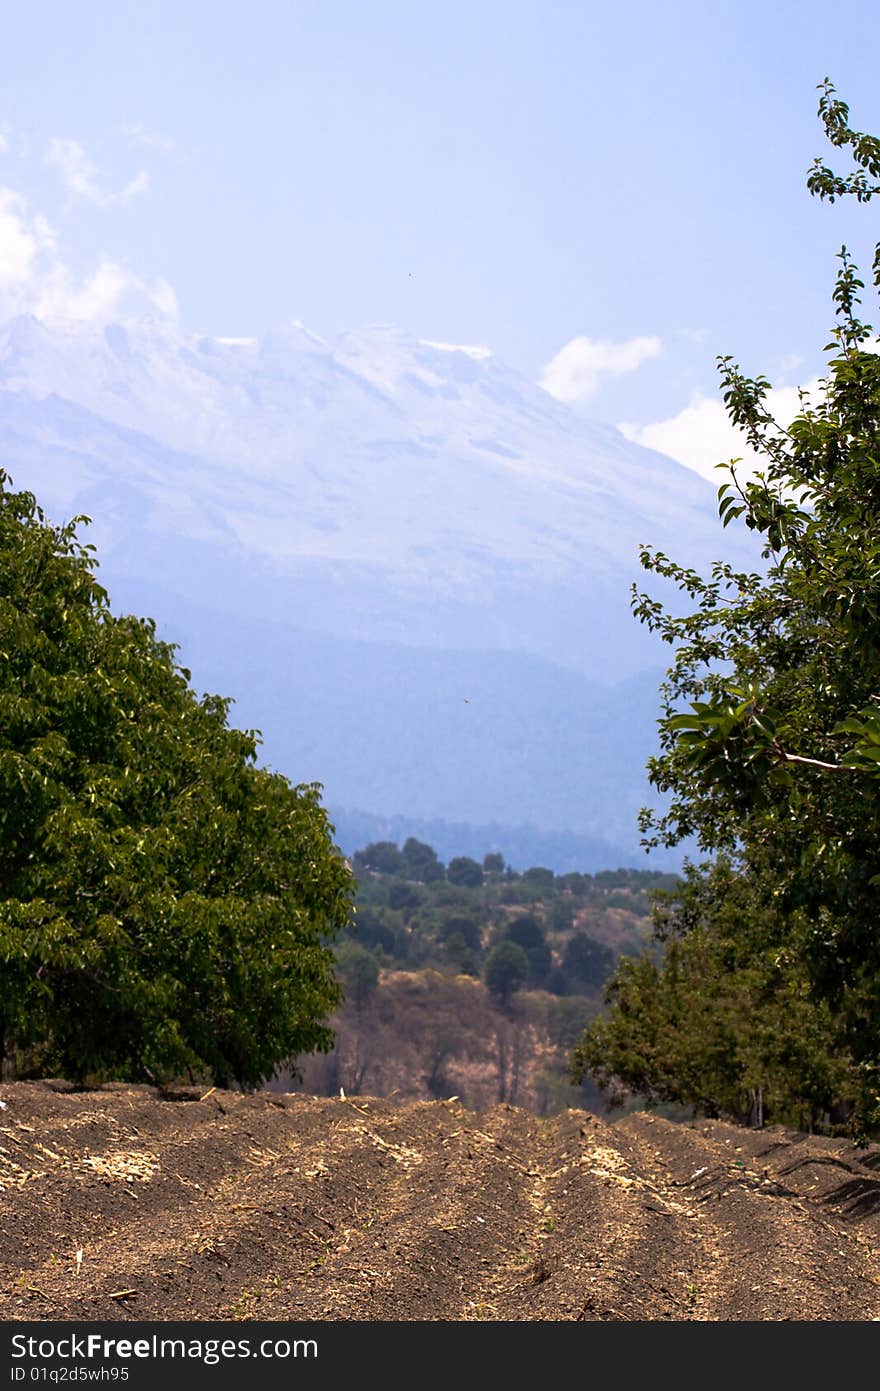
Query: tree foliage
column 586, row 962
column 770, row 733
column 420, row 861
column 358, row 972
column 164, row 903
column 506, row 971
column 413, row 924
column 464, row 871
column 723, row 1022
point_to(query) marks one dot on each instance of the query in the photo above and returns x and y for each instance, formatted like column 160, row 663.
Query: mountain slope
column 409, row 564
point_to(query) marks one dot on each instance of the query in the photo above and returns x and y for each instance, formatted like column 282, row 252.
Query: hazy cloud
column 83, row 179
column 22, row 240
column 144, row 139
column 788, row 364
column 701, row 436
column 35, row 278
column 577, row 369
column 104, row 294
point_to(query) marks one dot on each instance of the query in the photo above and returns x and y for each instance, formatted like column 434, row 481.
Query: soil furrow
column 611, row 1244
column 442, row 1222
column 118, row 1203
column 775, row 1256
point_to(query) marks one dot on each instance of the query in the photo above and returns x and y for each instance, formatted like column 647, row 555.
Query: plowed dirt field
column 119, row 1204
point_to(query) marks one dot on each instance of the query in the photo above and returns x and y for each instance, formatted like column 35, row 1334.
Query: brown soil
column 119, row 1203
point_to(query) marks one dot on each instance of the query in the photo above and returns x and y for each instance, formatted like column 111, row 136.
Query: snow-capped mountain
column 367, row 505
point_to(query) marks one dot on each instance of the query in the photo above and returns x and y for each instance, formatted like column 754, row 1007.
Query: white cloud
column 35, row 279
column 788, row 365
column 82, row 178
column 4, row 143
column 102, row 295
column 576, row 370
column 701, row 436
column 144, row 139
column 140, row 183
column 22, row 239
column 162, row 297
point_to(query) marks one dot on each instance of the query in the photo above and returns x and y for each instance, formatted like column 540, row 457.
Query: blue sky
column 519, row 175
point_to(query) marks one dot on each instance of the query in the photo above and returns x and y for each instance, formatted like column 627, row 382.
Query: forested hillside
column 472, row 978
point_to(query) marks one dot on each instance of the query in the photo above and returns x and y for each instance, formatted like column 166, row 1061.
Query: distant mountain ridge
column 344, row 535
column 522, row 846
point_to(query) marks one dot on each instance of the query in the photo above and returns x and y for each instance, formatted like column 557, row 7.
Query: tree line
column 514, row 930
column 167, row 907
column 765, row 1002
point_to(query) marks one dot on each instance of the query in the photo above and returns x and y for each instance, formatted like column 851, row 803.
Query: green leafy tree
column 460, row 955
column 576, row 884
column 539, row 878
column 586, row 962
column 723, row 1021
column 465, row 925
column 420, row 862
column 464, row 871
column 383, row 856
column 372, row 930
column 770, row 735
column 506, row 971
column 404, row 897
column 561, row 915
column 359, row 972
column 164, row 903
column 528, row 933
